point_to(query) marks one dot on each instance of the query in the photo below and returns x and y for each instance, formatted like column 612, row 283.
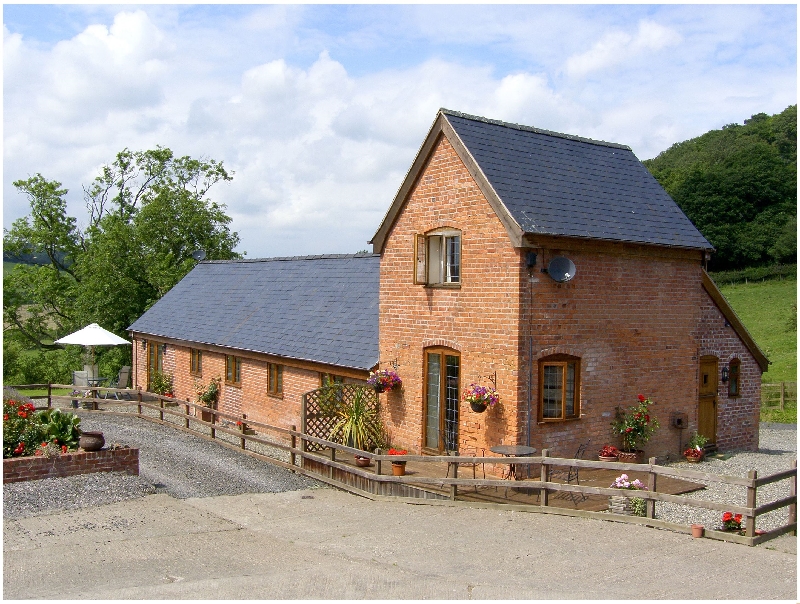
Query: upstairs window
column 438, row 258
column 196, row 364
column 233, row 370
column 275, row 379
column 559, row 388
column 329, row 379
column 733, row 377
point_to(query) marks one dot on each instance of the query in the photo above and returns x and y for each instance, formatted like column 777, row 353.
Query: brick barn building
column 469, row 284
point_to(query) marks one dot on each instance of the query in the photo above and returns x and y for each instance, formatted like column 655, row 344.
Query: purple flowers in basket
column 384, row 380
column 481, row 395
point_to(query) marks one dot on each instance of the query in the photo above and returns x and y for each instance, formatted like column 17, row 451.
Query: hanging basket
column 478, row 407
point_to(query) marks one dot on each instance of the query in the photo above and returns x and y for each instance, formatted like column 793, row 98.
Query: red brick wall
column 251, row 398
column 737, row 417
column 20, row 469
column 479, row 320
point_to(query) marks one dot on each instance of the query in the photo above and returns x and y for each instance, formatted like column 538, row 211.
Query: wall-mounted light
column 724, row 374
column 163, row 348
column 727, row 323
column 530, row 259
column 144, row 343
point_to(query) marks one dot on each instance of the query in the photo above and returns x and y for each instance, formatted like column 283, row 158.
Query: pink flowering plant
column 638, row 505
column 481, row 395
column 384, row 380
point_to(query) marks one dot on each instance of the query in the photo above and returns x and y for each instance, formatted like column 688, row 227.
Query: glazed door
column 155, row 360
column 707, row 406
column 442, row 368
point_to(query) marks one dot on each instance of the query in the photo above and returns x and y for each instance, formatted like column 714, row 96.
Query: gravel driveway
column 170, row 461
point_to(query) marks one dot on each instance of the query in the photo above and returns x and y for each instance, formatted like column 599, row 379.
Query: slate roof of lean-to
column 314, row 308
column 564, row 185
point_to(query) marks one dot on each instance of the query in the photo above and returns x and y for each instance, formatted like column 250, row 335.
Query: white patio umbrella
column 91, row 336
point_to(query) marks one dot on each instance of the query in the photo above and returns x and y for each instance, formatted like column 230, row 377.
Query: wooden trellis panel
column 320, row 407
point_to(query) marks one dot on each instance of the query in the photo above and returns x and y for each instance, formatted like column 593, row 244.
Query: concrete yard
column 326, row 544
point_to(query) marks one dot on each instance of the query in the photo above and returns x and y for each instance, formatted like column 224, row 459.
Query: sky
column 319, row 110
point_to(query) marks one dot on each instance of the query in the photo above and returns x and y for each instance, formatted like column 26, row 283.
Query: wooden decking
column 528, row 496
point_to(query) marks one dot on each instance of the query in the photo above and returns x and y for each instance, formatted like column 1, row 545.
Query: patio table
column 512, row 451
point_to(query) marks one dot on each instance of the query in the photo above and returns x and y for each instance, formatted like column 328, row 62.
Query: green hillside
column 738, row 185
column 769, row 311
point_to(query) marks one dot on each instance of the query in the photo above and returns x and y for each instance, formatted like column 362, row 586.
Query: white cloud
column 617, row 47
column 319, row 144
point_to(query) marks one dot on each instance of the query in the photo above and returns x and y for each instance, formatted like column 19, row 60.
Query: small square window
column 438, row 258
column 275, row 379
column 733, row 378
column 196, row 363
column 559, row 390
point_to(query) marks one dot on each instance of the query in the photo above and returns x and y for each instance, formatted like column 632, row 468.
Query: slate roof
column 314, row 308
column 558, row 184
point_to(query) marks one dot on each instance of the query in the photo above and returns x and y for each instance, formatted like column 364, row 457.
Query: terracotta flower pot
column 399, row 468
column 362, row 462
column 91, row 441
column 603, row 458
column 697, row 530
column 692, row 459
column 631, row 456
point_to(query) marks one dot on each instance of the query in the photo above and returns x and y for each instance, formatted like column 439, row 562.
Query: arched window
column 733, row 377
column 559, row 388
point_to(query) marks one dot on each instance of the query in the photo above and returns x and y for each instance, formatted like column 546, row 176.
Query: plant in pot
column 63, row 429
column 208, row 396
column 630, row 506
column 161, row 383
column 695, row 453
column 398, row 467
column 384, row 380
column 635, row 426
column 481, row 398
column 732, row 522
column 357, row 425
column 608, row 453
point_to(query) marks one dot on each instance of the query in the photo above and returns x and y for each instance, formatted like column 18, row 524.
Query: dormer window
column 438, row 258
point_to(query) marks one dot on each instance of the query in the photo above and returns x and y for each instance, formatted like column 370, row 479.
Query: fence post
column 544, row 476
column 793, row 493
column 454, row 487
column 187, row 414
column 333, row 458
column 378, row 462
column 241, row 429
column 139, row 400
column 783, row 393
column 293, row 428
column 651, row 486
column 49, row 395
column 213, row 421
column 161, row 411
column 750, row 521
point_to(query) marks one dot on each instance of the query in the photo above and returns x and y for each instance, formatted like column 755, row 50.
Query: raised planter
column 21, row 469
column 631, row 456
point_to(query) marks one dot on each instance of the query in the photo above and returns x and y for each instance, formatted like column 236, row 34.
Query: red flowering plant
column 22, row 428
column 398, row 452
column 608, row 451
column 731, row 521
column 635, row 426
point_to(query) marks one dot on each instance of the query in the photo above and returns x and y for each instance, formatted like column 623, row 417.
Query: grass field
column 769, row 311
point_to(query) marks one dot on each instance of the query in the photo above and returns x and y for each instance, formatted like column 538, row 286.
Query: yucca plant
column 357, row 423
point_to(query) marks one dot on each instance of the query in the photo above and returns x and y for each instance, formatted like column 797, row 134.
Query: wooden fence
column 777, row 395
column 374, row 483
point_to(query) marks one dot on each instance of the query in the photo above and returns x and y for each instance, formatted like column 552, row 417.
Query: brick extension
column 21, row 469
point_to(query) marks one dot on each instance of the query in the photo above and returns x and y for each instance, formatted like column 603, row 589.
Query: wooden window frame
column 562, row 361
column 275, row 386
column 332, row 378
column 735, row 377
column 443, row 352
column 233, row 377
column 195, row 362
column 423, row 259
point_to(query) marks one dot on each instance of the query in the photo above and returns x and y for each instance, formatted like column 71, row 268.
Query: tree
column 148, row 211
column 738, row 185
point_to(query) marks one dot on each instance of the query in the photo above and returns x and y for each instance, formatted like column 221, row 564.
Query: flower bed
column 20, row 469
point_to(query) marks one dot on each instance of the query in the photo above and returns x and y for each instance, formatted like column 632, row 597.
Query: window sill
column 443, row 286
column 234, row 384
column 558, row 420
column 275, row 395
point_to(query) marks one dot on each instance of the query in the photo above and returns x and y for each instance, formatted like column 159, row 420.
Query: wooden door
column 155, row 361
column 440, row 432
column 707, row 405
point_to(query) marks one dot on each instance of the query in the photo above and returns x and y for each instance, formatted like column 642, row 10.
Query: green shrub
column 61, row 428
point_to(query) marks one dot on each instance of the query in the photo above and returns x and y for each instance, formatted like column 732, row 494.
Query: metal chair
column 80, row 379
column 123, row 378
column 570, row 474
column 468, row 451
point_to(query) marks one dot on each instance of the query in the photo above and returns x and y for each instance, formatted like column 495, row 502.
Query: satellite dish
column 199, row 255
column 561, row 269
